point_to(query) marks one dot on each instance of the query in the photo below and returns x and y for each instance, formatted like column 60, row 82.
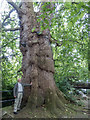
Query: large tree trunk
column 37, row 64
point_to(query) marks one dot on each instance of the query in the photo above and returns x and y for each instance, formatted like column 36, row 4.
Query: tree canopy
column 69, row 32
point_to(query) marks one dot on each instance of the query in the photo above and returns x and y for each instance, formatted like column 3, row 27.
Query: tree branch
column 11, row 29
column 6, row 57
column 8, row 16
column 14, row 6
column 55, row 41
column 9, row 42
column 20, row 4
column 57, row 44
column 75, row 3
column 19, row 70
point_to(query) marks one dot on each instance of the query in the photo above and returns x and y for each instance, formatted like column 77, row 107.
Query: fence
column 78, row 86
column 5, row 101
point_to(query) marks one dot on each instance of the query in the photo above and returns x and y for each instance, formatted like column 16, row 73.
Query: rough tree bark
column 37, row 64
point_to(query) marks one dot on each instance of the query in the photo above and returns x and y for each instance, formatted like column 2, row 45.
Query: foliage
column 70, row 52
column 68, row 25
column 11, row 55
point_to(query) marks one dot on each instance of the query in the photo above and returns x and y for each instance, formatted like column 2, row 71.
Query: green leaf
column 33, row 29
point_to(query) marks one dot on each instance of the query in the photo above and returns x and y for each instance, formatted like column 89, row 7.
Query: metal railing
column 5, row 91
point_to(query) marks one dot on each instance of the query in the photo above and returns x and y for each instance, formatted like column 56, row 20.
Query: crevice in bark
column 45, row 70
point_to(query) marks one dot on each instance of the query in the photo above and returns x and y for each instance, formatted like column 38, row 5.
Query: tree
column 37, row 62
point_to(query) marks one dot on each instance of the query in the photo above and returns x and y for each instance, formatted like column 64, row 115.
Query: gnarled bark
column 37, row 64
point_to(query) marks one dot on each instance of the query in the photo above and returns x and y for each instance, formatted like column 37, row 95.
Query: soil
column 72, row 111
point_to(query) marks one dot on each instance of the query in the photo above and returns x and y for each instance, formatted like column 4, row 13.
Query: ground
column 72, row 111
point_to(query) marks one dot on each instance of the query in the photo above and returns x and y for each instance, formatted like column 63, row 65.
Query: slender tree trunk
column 37, row 64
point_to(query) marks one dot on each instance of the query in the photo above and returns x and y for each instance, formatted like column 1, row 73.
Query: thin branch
column 14, row 6
column 9, row 42
column 57, row 44
column 75, row 3
column 20, row 4
column 55, row 41
column 6, row 57
column 19, row 70
column 8, row 16
column 3, row 57
column 76, row 42
column 11, row 29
